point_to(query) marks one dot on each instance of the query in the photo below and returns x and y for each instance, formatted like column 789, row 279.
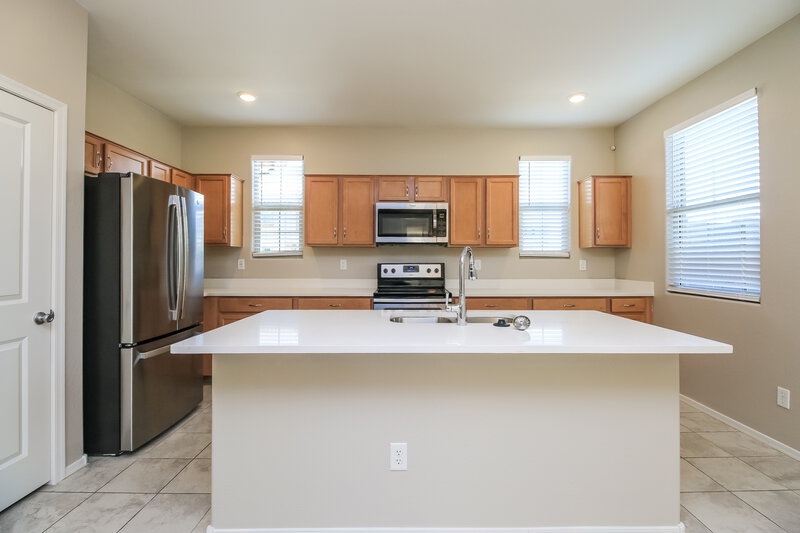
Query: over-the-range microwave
column 411, row 223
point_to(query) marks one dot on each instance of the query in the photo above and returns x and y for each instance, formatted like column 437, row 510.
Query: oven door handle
column 408, row 300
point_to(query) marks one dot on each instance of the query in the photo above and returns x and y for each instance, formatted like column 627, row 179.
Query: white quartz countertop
column 371, row 332
column 481, row 287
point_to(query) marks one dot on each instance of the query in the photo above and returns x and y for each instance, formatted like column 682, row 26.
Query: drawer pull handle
column 255, row 305
column 628, row 305
column 489, row 305
column 569, row 305
column 334, row 305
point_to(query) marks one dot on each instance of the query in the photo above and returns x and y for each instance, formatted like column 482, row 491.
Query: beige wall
column 766, row 337
column 44, row 47
column 363, row 150
column 117, row 116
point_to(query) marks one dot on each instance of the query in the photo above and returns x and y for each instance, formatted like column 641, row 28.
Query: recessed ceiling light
column 246, row 97
column 577, row 98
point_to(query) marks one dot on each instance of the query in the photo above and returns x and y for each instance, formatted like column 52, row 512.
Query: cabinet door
column 93, row 154
column 217, row 204
column 430, row 189
column 611, row 211
column 119, row 159
column 182, row 179
column 395, row 188
column 159, row 171
column 466, row 211
column 502, row 206
column 322, row 211
column 230, row 318
column 252, row 305
column 358, row 212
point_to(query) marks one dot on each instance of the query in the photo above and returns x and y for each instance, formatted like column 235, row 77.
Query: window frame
column 672, row 285
column 565, row 209
column 295, row 207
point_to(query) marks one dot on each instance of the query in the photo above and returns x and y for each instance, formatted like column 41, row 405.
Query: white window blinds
column 544, row 205
column 713, row 203
column 277, row 205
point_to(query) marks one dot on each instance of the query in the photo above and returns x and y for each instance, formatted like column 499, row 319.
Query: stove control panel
column 410, row 270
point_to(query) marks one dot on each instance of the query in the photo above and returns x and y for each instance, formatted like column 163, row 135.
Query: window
column 713, row 203
column 277, row 205
column 544, row 205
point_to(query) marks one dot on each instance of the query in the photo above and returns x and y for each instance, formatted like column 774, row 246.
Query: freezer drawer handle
column 153, row 353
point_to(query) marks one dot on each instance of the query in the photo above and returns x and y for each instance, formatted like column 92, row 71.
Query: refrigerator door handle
column 173, row 236
column 184, row 254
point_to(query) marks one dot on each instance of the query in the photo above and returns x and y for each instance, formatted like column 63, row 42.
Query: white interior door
column 26, row 214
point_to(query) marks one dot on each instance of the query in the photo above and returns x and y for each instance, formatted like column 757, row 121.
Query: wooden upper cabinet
column 412, row 189
column 182, row 179
column 604, row 211
column 358, row 212
column 159, row 171
column 223, row 208
column 466, row 211
column 430, row 189
column 321, row 217
column 93, row 152
column 502, row 207
column 395, row 188
column 120, row 159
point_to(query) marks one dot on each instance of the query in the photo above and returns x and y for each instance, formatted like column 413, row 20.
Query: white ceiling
column 415, row 62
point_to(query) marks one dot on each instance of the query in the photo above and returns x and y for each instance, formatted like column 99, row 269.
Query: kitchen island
column 570, row 425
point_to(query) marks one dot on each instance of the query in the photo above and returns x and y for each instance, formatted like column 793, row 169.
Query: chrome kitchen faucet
column 461, row 307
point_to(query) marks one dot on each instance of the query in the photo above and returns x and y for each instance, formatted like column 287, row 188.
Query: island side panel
column 493, row 440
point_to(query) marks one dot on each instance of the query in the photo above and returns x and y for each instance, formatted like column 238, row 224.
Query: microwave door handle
column 435, row 217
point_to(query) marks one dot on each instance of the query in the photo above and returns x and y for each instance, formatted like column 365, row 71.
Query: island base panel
column 302, row 441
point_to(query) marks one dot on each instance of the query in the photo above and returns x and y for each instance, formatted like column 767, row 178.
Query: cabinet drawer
column 498, row 303
column 574, row 304
column 253, row 305
column 334, row 303
column 229, row 318
column 628, row 305
column 641, row 317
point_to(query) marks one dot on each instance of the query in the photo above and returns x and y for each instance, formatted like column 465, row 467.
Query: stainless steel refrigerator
column 143, row 291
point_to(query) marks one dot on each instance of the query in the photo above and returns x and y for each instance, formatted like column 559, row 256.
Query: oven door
column 408, row 303
column 411, row 223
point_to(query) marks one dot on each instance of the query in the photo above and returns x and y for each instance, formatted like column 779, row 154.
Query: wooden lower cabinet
column 498, row 303
column 571, row 304
column 640, row 309
column 334, row 303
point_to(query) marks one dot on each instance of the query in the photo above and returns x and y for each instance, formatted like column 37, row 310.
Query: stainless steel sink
column 425, row 319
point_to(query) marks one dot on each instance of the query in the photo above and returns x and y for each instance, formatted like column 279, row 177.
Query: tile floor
column 165, row 487
column 730, row 483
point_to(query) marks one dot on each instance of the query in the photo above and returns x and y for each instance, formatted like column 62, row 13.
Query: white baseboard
column 77, row 465
column 766, row 439
column 679, row 528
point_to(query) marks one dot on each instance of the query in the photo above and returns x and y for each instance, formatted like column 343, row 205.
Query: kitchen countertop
column 371, row 332
column 333, row 287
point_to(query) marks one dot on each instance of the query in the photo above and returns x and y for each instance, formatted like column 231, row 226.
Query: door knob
column 41, row 317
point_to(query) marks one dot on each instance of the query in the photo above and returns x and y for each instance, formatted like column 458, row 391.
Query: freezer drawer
column 157, row 388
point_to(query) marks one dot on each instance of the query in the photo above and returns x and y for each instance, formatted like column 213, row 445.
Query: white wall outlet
column 783, row 397
column 342, row 264
column 582, row 264
column 477, row 264
column 398, row 456
column 240, row 264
